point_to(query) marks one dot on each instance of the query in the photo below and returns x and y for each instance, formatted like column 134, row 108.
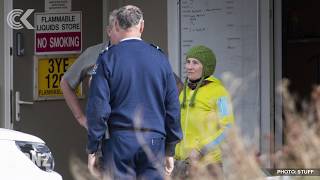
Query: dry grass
column 301, row 148
column 79, row 169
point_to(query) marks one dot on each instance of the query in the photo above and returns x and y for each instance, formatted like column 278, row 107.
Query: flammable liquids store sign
column 58, row 33
column 48, row 74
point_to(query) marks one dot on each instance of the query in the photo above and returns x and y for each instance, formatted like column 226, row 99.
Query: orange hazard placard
column 48, row 74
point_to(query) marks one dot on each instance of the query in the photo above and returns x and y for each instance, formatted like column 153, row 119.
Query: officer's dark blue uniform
column 133, row 95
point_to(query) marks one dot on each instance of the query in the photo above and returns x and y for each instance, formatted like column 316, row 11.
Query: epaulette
column 106, row 48
column 157, row 47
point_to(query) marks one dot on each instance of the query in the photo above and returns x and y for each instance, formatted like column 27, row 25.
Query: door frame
column 7, row 68
column 278, row 120
column 174, row 36
column 105, row 15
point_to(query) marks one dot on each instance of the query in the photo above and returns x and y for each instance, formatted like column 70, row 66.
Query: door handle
column 18, row 103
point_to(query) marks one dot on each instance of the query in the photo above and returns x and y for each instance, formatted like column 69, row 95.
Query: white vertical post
column 105, row 16
column 278, row 72
column 6, row 71
column 266, row 81
column 174, row 35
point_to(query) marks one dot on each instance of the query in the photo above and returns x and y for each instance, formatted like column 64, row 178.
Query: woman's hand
column 169, row 165
column 93, row 166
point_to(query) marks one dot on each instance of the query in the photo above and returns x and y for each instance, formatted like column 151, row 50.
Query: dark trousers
column 134, row 155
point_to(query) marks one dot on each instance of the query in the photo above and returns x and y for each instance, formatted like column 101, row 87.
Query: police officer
column 79, row 71
column 133, row 95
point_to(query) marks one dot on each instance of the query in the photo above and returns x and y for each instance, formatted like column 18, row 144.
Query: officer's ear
column 141, row 26
column 117, row 26
column 108, row 30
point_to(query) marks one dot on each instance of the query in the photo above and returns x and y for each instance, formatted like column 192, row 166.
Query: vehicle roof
column 8, row 134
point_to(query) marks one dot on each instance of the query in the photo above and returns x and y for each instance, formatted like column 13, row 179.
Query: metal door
column 50, row 120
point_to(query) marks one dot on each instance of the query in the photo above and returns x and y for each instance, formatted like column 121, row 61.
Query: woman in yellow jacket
column 206, row 110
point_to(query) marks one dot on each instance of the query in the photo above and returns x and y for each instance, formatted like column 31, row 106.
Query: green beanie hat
column 208, row 61
column 205, row 56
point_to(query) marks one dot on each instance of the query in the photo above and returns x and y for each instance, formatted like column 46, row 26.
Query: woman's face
column 194, row 69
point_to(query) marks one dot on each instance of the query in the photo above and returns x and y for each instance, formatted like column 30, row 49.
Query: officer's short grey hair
column 129, row 16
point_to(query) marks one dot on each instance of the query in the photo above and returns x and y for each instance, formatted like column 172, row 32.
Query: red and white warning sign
column 58, row 33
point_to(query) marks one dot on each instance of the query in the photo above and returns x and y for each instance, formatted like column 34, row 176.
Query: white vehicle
column 23, row 156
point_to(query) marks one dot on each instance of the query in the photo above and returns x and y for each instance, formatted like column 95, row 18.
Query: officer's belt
column 119, row 128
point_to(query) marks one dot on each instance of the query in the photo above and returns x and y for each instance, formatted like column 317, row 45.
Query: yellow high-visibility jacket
column 204, row 124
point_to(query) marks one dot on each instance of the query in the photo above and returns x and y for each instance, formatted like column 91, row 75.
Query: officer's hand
column 92, row 166
column 169, row 165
